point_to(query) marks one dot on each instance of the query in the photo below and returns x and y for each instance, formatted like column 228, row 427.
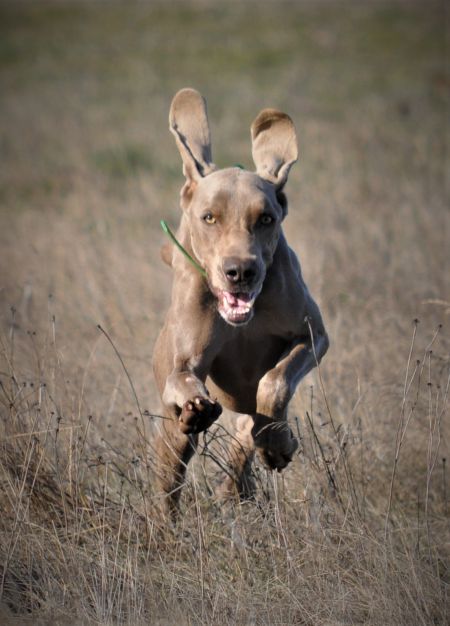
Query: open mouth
column 236, row 308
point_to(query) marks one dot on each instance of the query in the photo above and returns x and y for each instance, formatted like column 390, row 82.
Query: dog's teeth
column 236, row 308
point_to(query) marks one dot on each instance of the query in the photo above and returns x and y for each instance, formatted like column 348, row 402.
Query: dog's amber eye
column 209, row 218
column 266, row 219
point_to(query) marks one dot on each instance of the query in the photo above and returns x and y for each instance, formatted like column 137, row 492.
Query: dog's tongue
column 237, row 299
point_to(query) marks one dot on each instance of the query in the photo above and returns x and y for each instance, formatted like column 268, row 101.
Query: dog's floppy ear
column 188, row 121
column 274, row 146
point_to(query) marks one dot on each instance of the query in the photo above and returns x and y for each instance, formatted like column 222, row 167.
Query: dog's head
column 234, row 216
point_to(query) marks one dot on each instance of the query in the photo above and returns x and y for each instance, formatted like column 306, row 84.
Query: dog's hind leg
column 241, row 451
column 174, row 450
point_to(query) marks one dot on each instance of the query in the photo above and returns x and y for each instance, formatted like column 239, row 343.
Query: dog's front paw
column 198, row 414
column 274, row 441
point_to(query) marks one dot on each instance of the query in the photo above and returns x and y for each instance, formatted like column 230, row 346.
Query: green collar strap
column 191, row 260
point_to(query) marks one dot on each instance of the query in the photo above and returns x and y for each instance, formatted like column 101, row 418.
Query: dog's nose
column 239, row 270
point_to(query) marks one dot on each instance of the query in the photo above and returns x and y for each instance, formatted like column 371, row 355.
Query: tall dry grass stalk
column 324, row 543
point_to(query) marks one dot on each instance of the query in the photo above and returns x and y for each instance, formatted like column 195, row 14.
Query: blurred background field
column 356, row 531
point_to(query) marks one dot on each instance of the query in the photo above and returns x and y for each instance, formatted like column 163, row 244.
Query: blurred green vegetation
column 108, row 72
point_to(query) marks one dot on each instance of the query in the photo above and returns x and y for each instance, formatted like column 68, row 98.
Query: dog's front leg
column 187, row 407
column 188, row 400
column 274, row 440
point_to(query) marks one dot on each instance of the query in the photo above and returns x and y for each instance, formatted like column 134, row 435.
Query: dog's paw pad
column 198, row 414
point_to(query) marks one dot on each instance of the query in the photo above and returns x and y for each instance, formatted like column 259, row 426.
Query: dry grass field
column 356, row 530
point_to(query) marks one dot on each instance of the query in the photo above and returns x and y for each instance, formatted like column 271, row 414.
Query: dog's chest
column 238, row 368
